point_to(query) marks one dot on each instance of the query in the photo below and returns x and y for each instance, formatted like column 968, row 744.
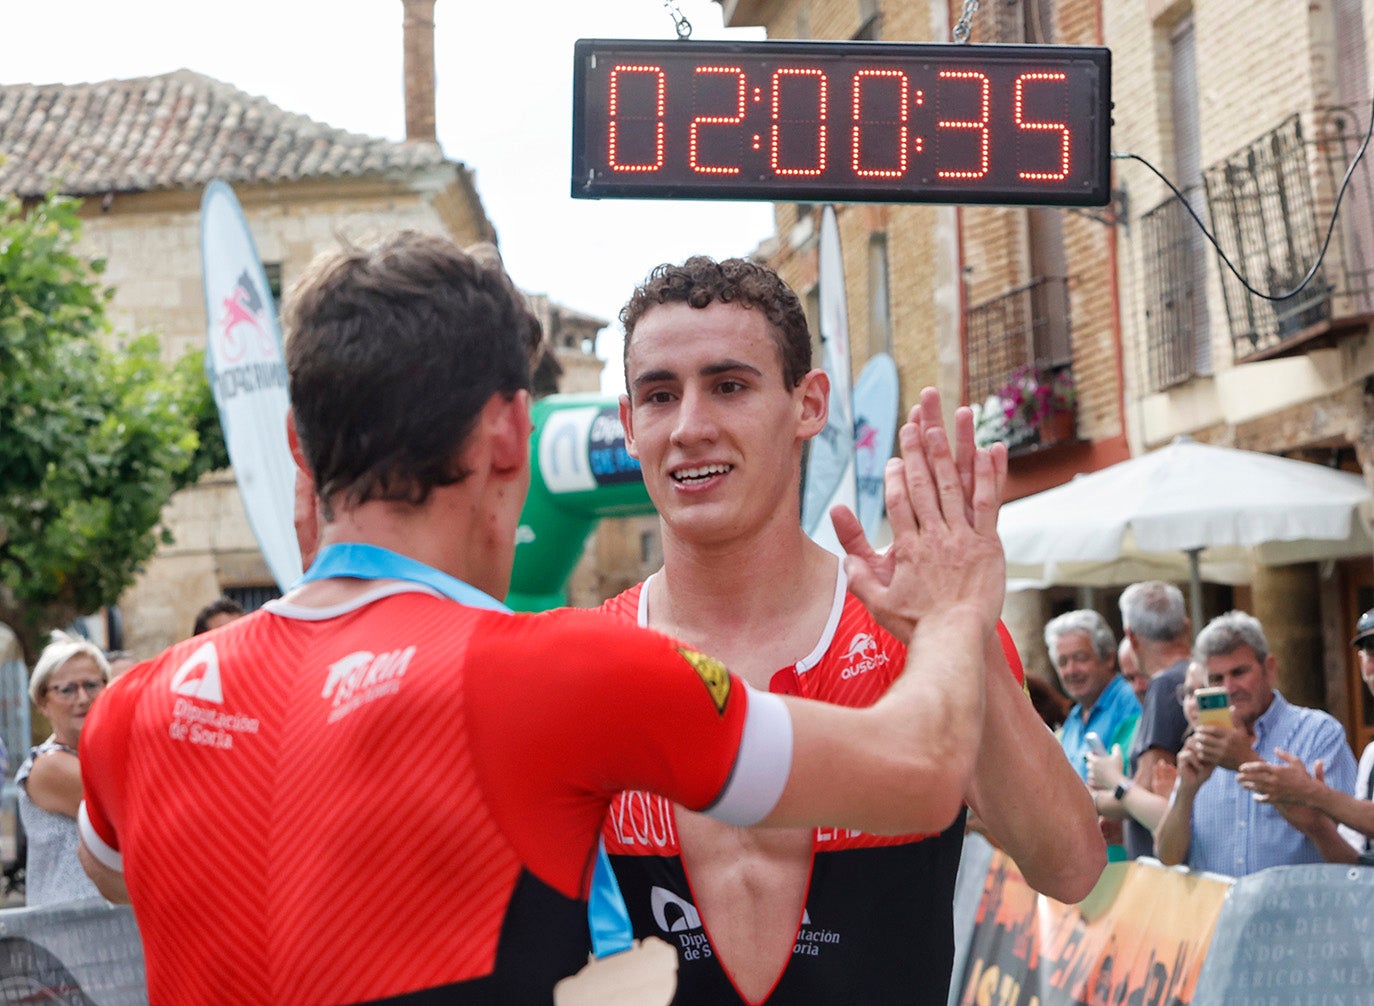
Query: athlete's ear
column 293, row 441
column 627, row 421
column 814, row 391
column 508, row 426
column 305, row 508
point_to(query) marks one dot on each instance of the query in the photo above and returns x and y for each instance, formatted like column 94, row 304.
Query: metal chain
column 681, row 25
column 965, row 23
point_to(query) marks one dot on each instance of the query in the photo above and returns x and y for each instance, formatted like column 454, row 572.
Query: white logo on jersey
column 362, row 676
column 863, row 655
column 198, row 677
column 673, row 914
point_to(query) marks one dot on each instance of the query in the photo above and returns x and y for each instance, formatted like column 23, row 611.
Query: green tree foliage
column 94, row 439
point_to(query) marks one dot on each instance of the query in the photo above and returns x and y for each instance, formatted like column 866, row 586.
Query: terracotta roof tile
column 177, row 130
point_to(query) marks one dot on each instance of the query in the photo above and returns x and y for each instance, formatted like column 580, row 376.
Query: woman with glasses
column 69, row 674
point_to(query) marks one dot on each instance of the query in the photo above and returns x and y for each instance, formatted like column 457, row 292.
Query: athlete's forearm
column 936, row 710
column 110, row 883
column 1175, row 832
column 1021, row 780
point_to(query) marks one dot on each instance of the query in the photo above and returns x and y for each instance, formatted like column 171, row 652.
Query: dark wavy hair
column 393, row 348
column 702, row 280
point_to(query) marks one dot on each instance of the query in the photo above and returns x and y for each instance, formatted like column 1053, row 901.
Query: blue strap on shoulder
column 372, row 562
column 607, row 916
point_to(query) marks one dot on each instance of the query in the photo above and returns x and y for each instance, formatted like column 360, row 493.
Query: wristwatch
column 1121, row 788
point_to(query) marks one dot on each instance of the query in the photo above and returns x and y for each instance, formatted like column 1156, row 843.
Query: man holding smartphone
column 1288, row 783
column 1215, row 823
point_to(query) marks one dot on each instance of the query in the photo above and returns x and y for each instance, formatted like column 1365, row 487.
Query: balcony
column 1270, row 205
column 1023, row 331
column 1174, row 276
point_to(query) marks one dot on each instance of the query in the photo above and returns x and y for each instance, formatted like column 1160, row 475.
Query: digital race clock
column 842, row 122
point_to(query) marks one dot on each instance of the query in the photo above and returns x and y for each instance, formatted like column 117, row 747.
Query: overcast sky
column 339, row 61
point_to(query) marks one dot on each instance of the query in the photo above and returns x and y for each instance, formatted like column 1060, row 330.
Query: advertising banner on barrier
column 1294, row 935
column 77, row 954
column 1138, row 939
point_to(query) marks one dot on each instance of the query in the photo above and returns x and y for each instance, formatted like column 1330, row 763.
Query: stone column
column 1287, row 602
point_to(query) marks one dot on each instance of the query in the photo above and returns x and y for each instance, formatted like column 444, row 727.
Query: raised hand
column 1163, row 777
column 926, row 414
column 1193, row 771
column 871, row 566
column 945, row 551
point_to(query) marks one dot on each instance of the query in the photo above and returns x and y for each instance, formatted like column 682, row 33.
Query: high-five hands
column 943, row 510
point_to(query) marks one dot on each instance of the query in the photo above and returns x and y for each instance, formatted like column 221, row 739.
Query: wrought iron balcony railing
column 1027, row 328
column 1270, row 204
column 1174, row 275
column 1029, row 324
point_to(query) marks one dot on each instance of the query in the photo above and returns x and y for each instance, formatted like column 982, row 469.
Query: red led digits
column 980, row 124
column 903, row 106
column 911, row 122
column 822, row 113
column 717, row 120
column 613, row 116
column 1062, row 127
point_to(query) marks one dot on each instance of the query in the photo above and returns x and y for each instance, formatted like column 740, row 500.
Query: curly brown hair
column 702, row 280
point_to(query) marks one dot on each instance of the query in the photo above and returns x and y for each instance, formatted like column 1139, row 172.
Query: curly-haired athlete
column 385, row 787
column 721, row 399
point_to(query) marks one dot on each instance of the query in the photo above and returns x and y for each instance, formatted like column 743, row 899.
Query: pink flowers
column 1032, row 395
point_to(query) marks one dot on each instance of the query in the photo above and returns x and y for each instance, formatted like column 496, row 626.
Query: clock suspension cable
column 681, row 25
column 964, row 27
column 1331, row 227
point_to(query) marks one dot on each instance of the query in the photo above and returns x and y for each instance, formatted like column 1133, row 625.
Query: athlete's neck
column 427, row 534
column 711, row 594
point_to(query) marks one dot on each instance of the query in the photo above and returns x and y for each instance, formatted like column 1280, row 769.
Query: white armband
column 105, row 855
column 762, row 765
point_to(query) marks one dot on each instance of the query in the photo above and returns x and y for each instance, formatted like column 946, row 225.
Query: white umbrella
column 1188, row 510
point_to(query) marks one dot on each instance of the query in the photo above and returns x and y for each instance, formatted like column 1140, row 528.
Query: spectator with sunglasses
column 69, row 674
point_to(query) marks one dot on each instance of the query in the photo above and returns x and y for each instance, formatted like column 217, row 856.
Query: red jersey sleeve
column 568, row 708
column 102, row 753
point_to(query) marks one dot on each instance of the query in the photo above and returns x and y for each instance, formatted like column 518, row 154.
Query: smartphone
column 1095, row 744
column 1213, row 707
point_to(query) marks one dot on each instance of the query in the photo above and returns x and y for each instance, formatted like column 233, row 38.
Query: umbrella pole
column 1195, row 588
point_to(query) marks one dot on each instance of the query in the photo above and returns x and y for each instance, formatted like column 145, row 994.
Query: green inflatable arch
column 580, row 472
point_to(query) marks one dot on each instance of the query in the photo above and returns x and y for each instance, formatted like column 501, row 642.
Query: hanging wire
column 964, row 27
column 1331, row 227
column 681, row 25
